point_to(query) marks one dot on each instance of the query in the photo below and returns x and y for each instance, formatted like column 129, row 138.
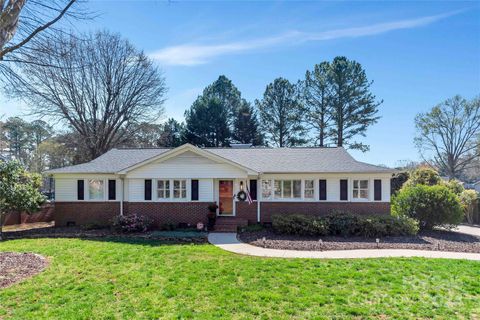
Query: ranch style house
column 249, row 185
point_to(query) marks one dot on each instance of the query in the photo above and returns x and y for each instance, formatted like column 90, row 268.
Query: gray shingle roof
column 265, row 160
column 112, row 161
column 307, row 160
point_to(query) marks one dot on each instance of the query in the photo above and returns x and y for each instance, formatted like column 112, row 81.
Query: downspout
column 121, row 195
column 259, row 184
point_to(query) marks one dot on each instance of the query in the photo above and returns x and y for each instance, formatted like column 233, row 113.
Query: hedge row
column 344, row 224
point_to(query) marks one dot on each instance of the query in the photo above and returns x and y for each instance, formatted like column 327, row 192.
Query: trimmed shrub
column 468, row 199
column 131, row 223
column 299, row 225
column 344, row 224
column 431, row 205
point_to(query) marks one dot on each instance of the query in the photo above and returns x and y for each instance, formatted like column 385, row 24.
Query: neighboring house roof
column 265, row 160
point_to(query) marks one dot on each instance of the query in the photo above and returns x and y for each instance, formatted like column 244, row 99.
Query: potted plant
column 212, row 214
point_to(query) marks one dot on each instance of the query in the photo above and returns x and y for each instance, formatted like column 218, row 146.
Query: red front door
column 225, row 197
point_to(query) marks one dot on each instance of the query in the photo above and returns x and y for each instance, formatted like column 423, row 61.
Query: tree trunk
column 1, row 226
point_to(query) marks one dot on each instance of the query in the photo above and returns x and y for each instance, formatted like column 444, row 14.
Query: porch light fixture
column 241, row 185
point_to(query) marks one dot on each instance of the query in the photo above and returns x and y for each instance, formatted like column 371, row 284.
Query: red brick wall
column 246, row 211
column 85, row 212
column 321, row 208
column 45, row 214
column 102, row 213
column 170, row 212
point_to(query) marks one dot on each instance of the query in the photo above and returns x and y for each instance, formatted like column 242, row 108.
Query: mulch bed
column 78, row 232
column 15, row 267
column 425, row 240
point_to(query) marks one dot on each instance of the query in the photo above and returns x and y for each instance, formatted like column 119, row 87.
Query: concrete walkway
column 471, row 230
column 229, row 242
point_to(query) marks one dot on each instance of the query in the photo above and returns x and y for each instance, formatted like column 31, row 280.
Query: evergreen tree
column 354, row 107
column 246, row 126
column 207, row 123
column 280, row 112
column 317, row 94
column 227, row 95
column 172, row 133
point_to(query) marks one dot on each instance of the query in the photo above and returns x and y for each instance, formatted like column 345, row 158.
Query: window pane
column 160, row 184
column 364, row 184
column 266, row 189
column 160, row 194
column 176, row 194
column 167, row 193
column 95, row 189
column 287, row 188
column 184, row 184
column 364, row 194
column 278, row 188
column 167, row 184
column 355, row 184
column 176, row 184
column 184, row 193
column 308, row 184
column 309, row 193
column 297, row 188
column 355, row 193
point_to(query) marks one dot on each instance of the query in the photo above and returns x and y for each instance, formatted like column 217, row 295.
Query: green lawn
column 90, row 279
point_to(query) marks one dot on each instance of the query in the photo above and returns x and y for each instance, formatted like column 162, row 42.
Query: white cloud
column 194, row 54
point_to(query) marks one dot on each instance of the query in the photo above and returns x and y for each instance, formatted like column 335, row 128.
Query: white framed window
column 180, row 189
column 266, row 189
column 163, row 189
column 309, row 189
column 288, row 189
column 96, row 189
column 360, row 189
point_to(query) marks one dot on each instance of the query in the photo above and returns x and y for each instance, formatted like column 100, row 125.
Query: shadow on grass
column 150, row 238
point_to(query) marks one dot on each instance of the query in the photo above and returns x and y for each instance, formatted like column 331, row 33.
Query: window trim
column 103, row 189
column 360, row 189
column 163, row 189
column 282, row 190
column 304, row 189
column 180, row 189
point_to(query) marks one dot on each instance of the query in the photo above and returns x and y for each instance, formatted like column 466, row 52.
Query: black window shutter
column 344, row 189
column 322, row 194
column 112, row 189
column 148, row 189
column 377, row 187
column 194, row 190
column 253, row 189
column 80, row 190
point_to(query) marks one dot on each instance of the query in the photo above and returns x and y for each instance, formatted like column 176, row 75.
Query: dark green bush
column 344, row 224
column 431, row 205
column 299, row 225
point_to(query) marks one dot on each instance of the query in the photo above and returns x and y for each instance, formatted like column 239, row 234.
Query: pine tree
column 206, row 123
column 246, row 127
column 281, row 113
column 354, row 107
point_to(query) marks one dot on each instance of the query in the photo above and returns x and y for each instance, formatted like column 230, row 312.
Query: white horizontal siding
column 136, row 190
column 333, row 184
column 65, row 189
column 66, row 186
column 205, row 190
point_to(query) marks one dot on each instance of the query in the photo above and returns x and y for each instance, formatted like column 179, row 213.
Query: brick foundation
column 102, row 213
column 246, row 211
column 85, row 212
column 170, row 212
column 321, row 208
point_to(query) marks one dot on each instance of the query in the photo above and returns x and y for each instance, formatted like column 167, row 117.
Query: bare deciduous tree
column 448, row 135
column 100, row 86
column 26, row 23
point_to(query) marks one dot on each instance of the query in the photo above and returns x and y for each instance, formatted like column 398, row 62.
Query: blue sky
column 417, row 53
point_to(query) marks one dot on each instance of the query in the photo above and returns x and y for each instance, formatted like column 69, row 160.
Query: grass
column 141, row 279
